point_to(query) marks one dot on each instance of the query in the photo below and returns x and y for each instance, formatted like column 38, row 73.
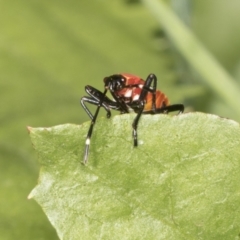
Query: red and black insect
column 130, row 93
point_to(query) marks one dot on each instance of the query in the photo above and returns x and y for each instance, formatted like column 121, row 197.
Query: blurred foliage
column 49, row 50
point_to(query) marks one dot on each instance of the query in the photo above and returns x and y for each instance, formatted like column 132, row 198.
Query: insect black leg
column 151, row 79
column 170, row 108
column 87, row 144
column 94, row 102
column 146, row 88
column 95, row 96
column 135, row 124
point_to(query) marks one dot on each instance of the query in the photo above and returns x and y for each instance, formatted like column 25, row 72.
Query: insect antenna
column 88, row 139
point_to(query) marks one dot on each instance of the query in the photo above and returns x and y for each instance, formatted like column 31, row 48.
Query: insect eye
column 120, row 83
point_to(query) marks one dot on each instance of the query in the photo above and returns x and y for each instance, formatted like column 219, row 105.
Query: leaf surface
column 181, row 182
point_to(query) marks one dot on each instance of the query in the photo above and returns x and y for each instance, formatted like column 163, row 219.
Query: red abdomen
column 161, row 101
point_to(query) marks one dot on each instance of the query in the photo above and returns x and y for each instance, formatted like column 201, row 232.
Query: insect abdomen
column 161, row 101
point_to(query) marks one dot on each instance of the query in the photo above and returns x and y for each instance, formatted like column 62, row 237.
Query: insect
column 130, row 93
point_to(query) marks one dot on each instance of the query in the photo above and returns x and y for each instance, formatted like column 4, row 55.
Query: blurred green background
column 49, row 50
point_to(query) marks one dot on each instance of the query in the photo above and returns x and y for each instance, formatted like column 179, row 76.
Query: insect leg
column 135, row 124
column 170, row 108
column 94, row 102
column 151, row 79
column 141, row 102
column 88, row 139
column 95, row 96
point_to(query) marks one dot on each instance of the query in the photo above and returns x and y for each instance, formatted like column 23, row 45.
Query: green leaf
column 181, row 182
column 49, row 50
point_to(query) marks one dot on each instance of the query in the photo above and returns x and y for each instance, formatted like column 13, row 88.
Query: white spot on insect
column 140, row 86
column 136, row 97
column 87, row 141
column 128, row 93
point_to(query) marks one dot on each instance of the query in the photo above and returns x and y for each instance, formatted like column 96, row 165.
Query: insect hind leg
column 170, row 108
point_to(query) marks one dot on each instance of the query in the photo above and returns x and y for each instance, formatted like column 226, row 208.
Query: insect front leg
column 94, row 102
column 94, row 118
column 94, row 98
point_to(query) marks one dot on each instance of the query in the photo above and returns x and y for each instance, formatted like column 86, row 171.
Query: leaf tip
column 31, row 195
column 29, row 129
